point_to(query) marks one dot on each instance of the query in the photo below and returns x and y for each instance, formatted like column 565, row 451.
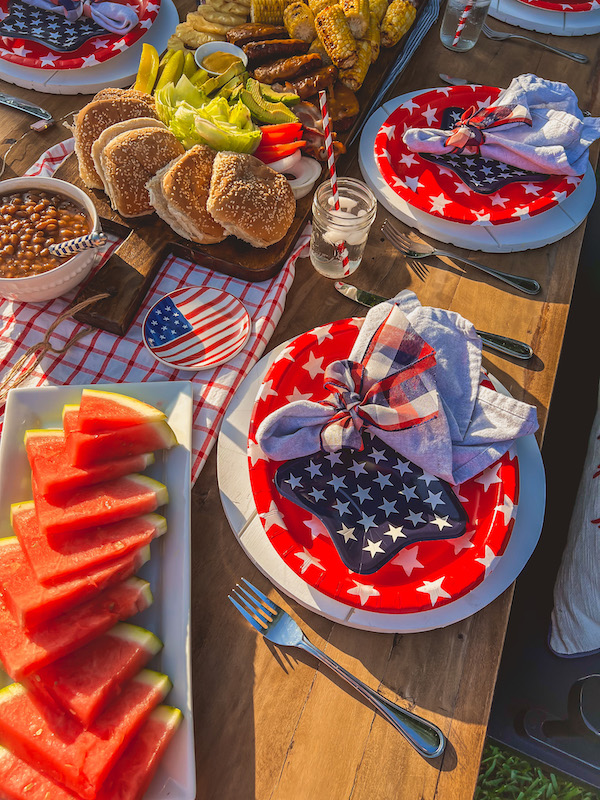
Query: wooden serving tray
column 129, row 272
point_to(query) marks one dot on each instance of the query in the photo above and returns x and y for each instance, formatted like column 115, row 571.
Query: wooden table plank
column 270, row 725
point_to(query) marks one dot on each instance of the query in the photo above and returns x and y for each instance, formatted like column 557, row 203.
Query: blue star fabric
column 51, row 29
column 372, row 501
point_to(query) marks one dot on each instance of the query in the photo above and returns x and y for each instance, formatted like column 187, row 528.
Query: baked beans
column 30, row 222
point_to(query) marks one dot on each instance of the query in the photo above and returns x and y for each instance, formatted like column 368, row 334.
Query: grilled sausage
column 254, row 32
column 312, row 83
column 271, row 49
column 287, row 68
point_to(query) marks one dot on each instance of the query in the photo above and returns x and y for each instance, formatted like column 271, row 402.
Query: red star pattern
column 438, row 191
column 29, row 53
column 423, row 575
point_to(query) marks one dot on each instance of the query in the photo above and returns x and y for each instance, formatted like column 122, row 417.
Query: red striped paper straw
column 462, row 21
column 342, row 251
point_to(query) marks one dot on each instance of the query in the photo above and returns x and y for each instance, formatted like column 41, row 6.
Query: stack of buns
column 203, row 195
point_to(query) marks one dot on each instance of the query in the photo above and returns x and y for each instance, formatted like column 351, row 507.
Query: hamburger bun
column 249, row 199
column 179, row 193
column 128, row 162
column 108, row 107
column 114, row 130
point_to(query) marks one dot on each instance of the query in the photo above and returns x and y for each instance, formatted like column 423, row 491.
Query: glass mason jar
column 462, row 23
column 344, row 231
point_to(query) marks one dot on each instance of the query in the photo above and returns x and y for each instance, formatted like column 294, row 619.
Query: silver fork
column 278, row 627
column 410, row 249
column 500, row 36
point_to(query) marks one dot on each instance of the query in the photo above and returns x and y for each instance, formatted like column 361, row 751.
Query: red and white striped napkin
column 102, row 357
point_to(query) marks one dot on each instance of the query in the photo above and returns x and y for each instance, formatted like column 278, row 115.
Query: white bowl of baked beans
column 36, row 212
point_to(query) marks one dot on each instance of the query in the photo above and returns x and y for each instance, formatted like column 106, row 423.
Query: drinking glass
column 335, row 232
column 462, row 23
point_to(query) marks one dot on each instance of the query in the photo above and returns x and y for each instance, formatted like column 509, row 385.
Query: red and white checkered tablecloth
column 102, row 357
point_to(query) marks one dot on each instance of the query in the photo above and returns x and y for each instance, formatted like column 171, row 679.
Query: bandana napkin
column 113, row 17
column 534, row 125
column 413, row 380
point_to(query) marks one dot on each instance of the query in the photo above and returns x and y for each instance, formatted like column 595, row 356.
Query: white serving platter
column 119, row 72
column 236, row 495
column 510, row 237
column 544, row 20
column 168, row 570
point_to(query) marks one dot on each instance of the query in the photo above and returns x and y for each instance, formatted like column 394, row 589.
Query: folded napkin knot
column 413, row 380
column 113, row 17
column 399, row 400
column 468, row 132
column 534, row 125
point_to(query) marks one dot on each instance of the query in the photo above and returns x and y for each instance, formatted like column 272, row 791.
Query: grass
column 504, row 776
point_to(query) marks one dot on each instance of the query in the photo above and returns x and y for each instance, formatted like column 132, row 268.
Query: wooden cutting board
column 129, row 272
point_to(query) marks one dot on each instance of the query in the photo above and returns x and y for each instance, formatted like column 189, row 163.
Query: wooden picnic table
column 272, row 725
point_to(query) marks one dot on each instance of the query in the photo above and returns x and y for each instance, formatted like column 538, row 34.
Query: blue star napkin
column 372, row 502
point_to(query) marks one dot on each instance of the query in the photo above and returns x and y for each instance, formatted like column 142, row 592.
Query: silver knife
column 28, row 108
column 502, row 344
column 456, row 81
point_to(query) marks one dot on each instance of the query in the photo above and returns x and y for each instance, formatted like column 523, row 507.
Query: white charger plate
column 238, row 503
column 544, row 20
column 511, row 237
column 168, row 570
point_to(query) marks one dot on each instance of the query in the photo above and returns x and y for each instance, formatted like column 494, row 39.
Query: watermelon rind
column 55, row 433
column 144, row 587
column 160, row 490
column 157, row 679
column 169, row 716
column 141, row 636
column 137, row 411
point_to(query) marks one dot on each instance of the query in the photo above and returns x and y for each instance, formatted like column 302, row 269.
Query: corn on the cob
column 378, row 8
column 318, row 5
column 334, row 33
column 354, row 76
column 357, row 13
column 373, row 36
column 299, row 21
column 398, row 18
column 269, row 11
column 317, row 47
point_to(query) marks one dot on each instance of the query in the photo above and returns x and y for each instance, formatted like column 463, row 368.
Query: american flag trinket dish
column 196, row 328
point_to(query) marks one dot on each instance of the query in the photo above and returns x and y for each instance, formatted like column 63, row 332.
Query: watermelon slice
column 100, row 504
column 70, row 417
column 59, row 746
column 84, row 550
column 127, row 780
column 52, row 469
column 32, row 604
column 85, row 681
column 87, row 449
column 23, row 654
column 101, row 411
column 20, row 781
column 131, row 775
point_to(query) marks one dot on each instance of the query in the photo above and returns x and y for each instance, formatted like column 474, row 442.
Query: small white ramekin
column 60, row 280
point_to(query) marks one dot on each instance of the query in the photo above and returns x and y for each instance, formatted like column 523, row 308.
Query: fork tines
column 258, row 610
column 400, row 241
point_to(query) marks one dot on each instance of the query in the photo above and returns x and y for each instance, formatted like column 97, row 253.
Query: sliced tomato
column 276, row 151
column 280, row 134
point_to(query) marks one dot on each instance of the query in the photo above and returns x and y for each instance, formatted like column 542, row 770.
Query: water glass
column 462, row 23
column 342, row 231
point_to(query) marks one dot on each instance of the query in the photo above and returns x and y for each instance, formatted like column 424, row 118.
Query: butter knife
column 456, row 81
column 28, row 108
column 502, row 344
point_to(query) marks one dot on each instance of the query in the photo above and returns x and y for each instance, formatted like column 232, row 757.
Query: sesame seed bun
column 108, row 107
column 179, row 193
column 114, row 130
column 249, row 199
column 128, row 162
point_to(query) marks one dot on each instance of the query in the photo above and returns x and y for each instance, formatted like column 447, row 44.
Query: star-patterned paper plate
column 196, row 329
column 567, row 8
column 44, row 40
column 438, row 190
column 424, row 575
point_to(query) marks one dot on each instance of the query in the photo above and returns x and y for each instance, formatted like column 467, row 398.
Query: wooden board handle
column 126, row 276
